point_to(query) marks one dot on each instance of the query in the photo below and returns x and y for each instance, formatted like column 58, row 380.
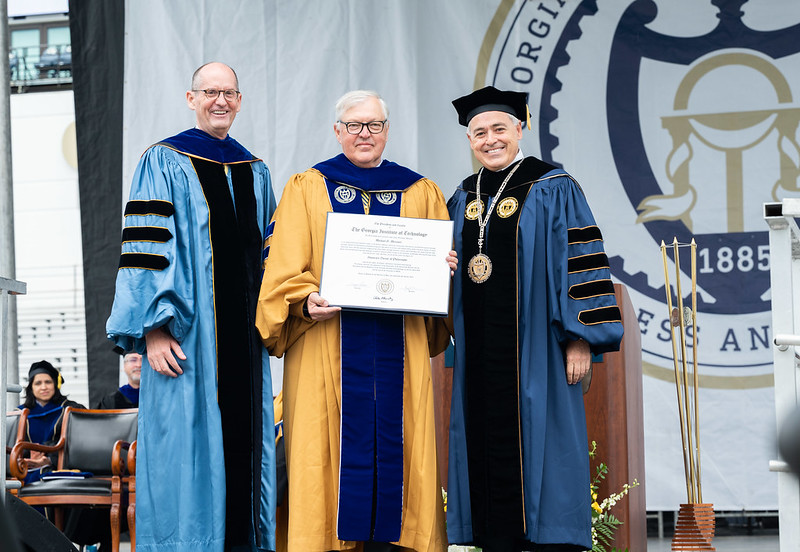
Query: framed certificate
column 390, row 264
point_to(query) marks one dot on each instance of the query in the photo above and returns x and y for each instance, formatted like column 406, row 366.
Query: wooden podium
column 442, row 377
column 614, row 420
column 614, row 415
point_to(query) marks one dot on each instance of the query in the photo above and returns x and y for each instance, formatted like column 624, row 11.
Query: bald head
column 196, row 78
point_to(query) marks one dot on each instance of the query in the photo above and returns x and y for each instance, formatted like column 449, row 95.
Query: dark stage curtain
column 97, row 29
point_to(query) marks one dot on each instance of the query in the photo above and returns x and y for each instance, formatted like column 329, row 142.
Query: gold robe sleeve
column 292, row 268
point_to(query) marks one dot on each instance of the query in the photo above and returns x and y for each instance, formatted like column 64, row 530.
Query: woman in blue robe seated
column 46, row 404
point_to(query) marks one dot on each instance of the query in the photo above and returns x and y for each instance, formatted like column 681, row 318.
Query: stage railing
column 784, row 246
column 7, row 287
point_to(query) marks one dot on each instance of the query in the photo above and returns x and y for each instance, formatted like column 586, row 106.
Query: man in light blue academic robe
column 532, row 300
column 186, row 294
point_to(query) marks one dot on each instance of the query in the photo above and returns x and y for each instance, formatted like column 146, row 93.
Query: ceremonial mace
column 695, row 526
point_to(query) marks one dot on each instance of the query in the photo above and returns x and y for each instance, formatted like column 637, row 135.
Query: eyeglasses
column 213, row 93
column 374, row 127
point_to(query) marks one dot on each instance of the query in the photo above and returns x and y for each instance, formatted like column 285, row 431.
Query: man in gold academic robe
column 357, row 396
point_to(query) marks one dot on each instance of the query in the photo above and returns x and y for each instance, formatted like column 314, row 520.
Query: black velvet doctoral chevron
column 492, row 371
column 149, row 207
column 236, row 244
column 155, row 234
column 601, row 315
column 587, row 262
column 592, row 289
column 148, row 261
column 584, row 235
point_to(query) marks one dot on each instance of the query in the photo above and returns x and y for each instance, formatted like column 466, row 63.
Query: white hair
column 514, row 122
column 357, row 97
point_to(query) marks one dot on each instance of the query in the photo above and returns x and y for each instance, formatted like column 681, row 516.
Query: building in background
column 51, row 319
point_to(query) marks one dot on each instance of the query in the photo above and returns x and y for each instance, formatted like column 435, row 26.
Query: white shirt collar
column 516, row 158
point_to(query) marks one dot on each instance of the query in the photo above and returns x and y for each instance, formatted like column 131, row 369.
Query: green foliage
column 604, row 524
column 604, row 530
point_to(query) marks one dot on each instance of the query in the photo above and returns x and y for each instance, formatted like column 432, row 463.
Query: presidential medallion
column 479, row 268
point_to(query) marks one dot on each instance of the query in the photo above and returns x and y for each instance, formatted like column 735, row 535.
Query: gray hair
column 514, row 122
column 196, row 74
column 357, row 97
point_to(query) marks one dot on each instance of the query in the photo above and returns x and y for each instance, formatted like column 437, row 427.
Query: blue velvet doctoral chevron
column 373, row 356
column 197, row 143
column 388, row 177
column 42, row 421
column 372, row 427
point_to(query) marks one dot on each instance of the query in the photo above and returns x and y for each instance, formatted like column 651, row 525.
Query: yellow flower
column 596, row 507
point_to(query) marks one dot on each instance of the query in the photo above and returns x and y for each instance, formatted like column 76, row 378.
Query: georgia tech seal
column 344, row 194
column 664, row 149
column 387, row 198
column 474, row 208
column 642, row 102
column 507, row 207
column 384, row 286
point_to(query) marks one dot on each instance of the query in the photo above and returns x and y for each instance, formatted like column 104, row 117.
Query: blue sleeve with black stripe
column 155, row 279
column 586, row 306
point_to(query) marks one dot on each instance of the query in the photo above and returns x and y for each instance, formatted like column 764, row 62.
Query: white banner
column 679, row 119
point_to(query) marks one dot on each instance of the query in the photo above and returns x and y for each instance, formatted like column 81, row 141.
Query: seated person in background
column 46, row 404
column 126, row 396
column 91, row 526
